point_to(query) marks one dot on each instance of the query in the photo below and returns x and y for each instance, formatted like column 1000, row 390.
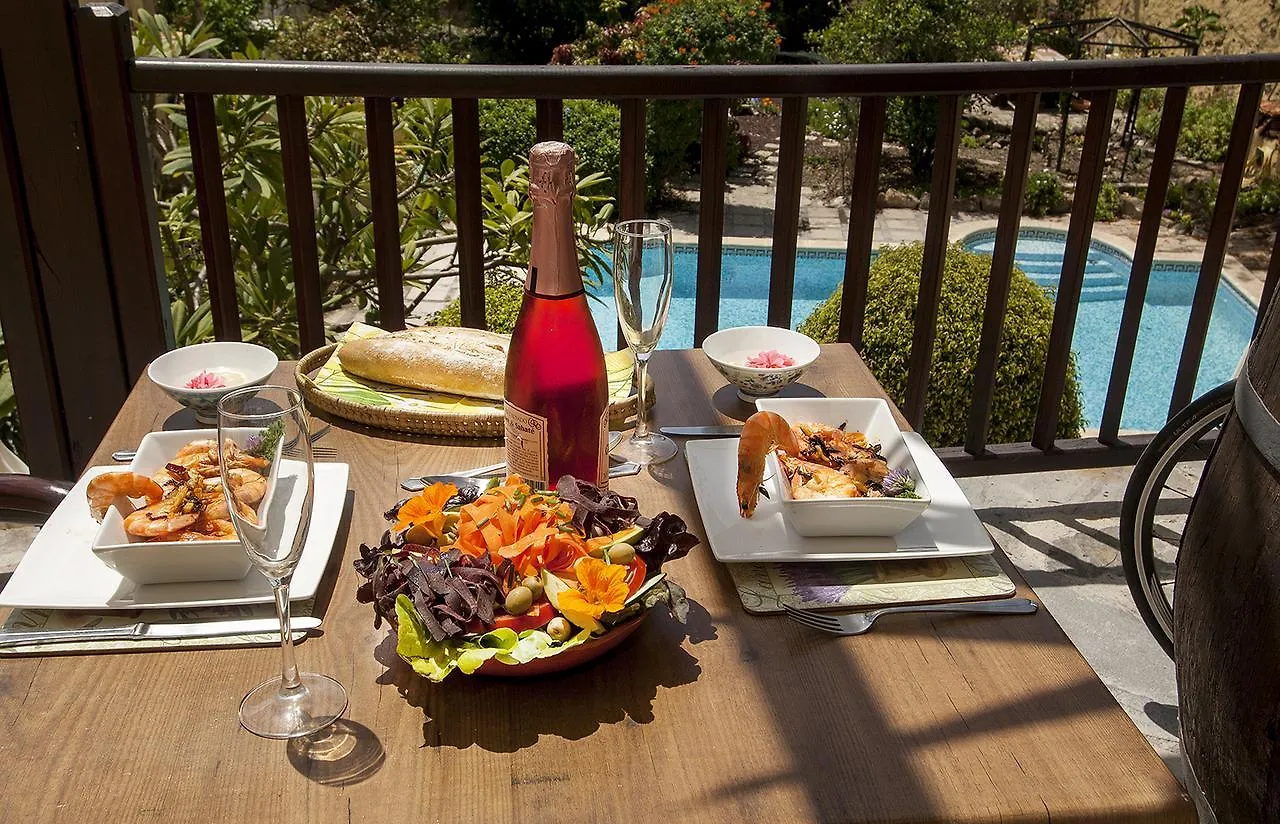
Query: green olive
column 534, row 585
column 519, row 599
column 559, row 629
column 622, row 554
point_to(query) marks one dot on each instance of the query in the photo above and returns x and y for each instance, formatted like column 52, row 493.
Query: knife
column 728, row 431
column 142, row 630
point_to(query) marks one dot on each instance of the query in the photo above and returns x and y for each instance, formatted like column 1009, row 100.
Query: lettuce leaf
column 435, row 660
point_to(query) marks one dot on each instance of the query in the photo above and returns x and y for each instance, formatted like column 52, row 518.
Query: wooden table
column 731, row 718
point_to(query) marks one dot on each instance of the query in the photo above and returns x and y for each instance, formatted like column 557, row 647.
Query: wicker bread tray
column 449, row 415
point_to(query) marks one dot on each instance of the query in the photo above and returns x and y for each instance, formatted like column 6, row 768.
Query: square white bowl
column 166, row 562
column 873, row 517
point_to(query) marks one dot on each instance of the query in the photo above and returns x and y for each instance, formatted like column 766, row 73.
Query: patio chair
column 29, row 495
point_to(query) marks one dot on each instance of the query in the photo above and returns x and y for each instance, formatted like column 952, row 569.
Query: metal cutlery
column 726, row 431
column 143, row 630
column 619, row 470
column 856, row 623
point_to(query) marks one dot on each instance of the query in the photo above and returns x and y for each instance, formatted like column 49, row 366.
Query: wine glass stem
column 642, row 396
column 289, row 671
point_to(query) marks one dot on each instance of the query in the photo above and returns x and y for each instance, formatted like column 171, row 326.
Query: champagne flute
column 265, row 429
column 643, row 270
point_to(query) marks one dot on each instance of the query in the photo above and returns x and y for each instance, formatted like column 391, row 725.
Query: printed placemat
column 764, row 588
column 32, row 620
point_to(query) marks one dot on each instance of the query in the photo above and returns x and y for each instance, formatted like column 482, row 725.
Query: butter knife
column 142, row 630
column 727, row 431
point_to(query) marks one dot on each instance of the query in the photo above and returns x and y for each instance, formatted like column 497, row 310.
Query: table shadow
column 466, row 711
column 345, row 752
column 727, row 403
column 185, row 419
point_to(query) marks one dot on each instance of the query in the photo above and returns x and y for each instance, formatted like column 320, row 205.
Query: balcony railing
column 115, row 317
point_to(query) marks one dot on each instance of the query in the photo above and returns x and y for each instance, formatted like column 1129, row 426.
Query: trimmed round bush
column 508, row 129
column 891, row 302
column 501, row 308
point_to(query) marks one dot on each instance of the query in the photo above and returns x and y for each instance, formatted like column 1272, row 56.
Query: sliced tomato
column 636, row 572
column 538, row 616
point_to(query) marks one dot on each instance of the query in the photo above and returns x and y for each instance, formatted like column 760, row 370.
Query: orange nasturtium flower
column 426, row 509
column 601, row 589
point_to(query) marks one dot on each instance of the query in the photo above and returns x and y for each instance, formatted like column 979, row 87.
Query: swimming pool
column 744, row 299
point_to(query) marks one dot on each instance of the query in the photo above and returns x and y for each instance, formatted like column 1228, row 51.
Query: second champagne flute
column 263, row 435
column 643, row 271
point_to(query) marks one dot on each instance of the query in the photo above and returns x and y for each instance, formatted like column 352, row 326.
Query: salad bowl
column 501, row 579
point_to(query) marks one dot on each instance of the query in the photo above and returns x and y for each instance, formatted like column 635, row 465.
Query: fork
column 856, row 623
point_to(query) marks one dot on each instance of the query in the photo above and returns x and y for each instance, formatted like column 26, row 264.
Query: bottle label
column 526, row 440
column 602, row 466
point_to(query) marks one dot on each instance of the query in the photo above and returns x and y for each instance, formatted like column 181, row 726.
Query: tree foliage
column 917, row 31
column 1024, row 343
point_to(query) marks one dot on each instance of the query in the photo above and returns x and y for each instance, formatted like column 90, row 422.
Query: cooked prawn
column 762, row 433
column 248, row 486
column 106, row 488
column 157, row 520
column 813, row 480
column 237, row 458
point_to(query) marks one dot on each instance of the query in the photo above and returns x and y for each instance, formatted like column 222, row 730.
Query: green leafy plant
column 527, row 31
column 508, row 129
column 891, row 302
column 260, row 244
column 1044, row 194
column 501, row 308
column 917, row 31
column 1202, row 23
column 237, row 23
column 383, row 31
column 1108, row 208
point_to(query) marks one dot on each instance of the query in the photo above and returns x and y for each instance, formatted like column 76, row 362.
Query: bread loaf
column 468, row 362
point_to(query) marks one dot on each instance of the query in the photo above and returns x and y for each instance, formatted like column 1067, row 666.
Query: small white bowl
column 863, row 517
column 729, row 350
column 166, row 562
column 173, row 370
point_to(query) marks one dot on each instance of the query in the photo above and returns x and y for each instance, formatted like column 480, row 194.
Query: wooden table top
column 731, row 718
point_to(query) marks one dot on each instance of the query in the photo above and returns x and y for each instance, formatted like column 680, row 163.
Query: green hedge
column 501, row 308
column 891, row 303
column 1045, row 193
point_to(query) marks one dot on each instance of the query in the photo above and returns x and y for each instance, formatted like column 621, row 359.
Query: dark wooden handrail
column 273, row 77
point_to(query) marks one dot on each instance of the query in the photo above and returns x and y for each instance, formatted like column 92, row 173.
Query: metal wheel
column 1157, row 501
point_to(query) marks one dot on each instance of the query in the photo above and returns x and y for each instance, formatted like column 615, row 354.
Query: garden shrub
column 1044, row 194
column 1108, row 208
column 891, row 304
column 509, row 129
column 527, row 31
column 501, row 308
column 234, row 22
column 1206, row 129
column 918, row 31
column 381, row 31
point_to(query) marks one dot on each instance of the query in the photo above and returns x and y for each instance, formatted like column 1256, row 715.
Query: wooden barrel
column 1227, row 606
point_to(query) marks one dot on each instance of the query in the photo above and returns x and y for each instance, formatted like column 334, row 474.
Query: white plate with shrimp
column 948, row 528
column 61, row 571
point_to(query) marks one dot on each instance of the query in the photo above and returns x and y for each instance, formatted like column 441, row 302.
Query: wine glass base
column 655, row 448
column 272, row 712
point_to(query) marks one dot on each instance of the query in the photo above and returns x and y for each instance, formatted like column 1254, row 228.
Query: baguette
column 469, row 362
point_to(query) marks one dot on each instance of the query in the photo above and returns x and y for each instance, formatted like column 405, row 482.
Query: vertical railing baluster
column 631, row 186
column 550, row 119
column 1015, row 184
column 295, row 153
column 211, row 202
column 941, row 190
column 1269, row 286
column 786, row 210
column 706, row 314
column 385, row 211
column 1175, row 102
column 1215, row 245
column 862, row 219
column 466, row 180
column 1093, row 161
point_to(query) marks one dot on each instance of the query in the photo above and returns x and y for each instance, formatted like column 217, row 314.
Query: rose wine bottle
column 557, row 416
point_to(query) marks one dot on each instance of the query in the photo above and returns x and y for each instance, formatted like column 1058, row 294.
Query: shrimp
column 763, row 432
column 237, row 458
column 215, row 503
column 106, row 488
column 196, row 449
column 157, row 520
column 248, row 486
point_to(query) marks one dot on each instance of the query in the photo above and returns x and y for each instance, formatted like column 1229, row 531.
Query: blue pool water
column 744, row 297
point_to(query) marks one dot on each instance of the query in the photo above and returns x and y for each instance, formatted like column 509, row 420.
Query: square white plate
column 949, row 527
column 60, row 571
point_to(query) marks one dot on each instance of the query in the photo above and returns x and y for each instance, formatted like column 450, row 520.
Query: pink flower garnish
column 770, row 359
column 207, row 380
